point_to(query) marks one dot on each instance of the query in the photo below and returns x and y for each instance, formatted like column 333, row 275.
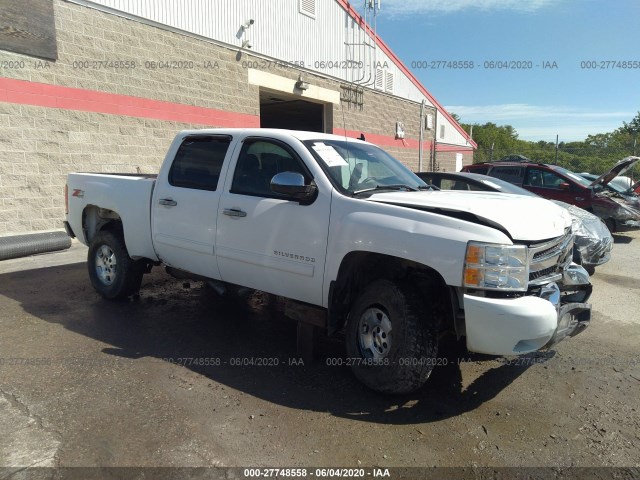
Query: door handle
column 168, row 202
column 234, row 212
column 579, row 199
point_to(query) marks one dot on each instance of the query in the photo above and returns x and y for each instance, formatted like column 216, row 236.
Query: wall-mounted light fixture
column 301, row 84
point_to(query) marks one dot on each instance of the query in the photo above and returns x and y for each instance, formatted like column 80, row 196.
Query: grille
column 542, row 273
column 548, row 259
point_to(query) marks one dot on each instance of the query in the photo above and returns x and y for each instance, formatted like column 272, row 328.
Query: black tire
column 591, row 269
column 611, row 225
column 115, row 275
column 405, row 358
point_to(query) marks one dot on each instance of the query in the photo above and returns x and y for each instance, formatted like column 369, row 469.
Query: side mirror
column 564, row 186
column 292, row 185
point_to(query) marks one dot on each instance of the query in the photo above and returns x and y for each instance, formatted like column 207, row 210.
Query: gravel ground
column 85, row 382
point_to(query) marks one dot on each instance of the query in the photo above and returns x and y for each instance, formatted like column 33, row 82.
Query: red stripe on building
column 383, row 46
column 54, row 96
column 387, row 141
column 442, row 147
column 383, row 140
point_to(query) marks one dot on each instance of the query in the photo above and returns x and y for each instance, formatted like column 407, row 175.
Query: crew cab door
column 554, row 186
column 265, row 240
column 185, row 204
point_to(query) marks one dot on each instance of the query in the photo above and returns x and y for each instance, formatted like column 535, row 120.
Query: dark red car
column 557, row 183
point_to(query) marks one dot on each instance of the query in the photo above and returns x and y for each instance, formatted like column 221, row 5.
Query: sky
column 572, row 100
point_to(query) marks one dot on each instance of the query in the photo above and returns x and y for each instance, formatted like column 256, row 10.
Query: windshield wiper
column 387, row 187
column 429, row 186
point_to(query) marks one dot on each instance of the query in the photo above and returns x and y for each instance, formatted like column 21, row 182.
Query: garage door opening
column 280, row 110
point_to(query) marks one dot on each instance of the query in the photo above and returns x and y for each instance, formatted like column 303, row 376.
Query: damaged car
column 592, row 242
column 617, row 191
column 558, row 183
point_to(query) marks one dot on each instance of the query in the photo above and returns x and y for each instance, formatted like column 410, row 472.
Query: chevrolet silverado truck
column 353, row 239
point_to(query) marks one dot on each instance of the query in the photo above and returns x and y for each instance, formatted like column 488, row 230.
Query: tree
column 503, row 138
column 631, row 128
column 596, row 154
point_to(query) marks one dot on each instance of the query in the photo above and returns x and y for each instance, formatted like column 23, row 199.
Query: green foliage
column 632, row 128
column 596, row 154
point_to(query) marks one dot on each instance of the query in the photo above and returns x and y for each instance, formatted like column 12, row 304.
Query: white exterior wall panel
column 451, row 135
column 281, row 32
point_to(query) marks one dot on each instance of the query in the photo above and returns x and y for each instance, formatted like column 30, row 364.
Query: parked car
column 593, row 241
column 352, row 238
column 619, row 190
column 624, row 183
column 558, row 183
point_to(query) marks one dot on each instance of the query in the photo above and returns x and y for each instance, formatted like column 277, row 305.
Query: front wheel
column 611, row 225
column 391, row 338
column 113, row 273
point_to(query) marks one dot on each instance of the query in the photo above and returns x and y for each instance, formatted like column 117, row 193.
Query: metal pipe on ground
column 17, row 246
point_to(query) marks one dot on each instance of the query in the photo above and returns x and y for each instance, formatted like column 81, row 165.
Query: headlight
column 496, row 267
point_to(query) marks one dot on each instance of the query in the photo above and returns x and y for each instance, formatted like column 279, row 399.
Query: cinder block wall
column 42, row 143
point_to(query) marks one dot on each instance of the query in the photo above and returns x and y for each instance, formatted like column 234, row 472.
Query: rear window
column 483, row 169
column 509, row 174
column 198, row 162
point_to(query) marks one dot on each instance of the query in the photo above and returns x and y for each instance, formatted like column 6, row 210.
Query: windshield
column 611, row 185
column 506, row 187
column 573, row 176
column 617, row 187
column 354, row 166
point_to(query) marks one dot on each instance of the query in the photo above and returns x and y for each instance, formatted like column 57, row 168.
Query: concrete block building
column 104, row 85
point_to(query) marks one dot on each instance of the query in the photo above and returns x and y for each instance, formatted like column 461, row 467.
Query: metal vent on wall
column 308, row 7
column 379, row 79
column 388, row 86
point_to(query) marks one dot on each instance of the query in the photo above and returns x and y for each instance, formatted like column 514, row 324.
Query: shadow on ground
column 621, row 238
column 171, row 320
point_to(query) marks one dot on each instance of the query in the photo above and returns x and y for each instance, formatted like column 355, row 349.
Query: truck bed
column 127, row 195
column 146, row 176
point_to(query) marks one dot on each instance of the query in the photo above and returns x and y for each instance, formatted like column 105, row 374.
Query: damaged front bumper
column 514, row 326
column 574, row 314
column 595, row 253
column 626, row 212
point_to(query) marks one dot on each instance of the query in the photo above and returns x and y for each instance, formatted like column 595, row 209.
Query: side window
column 542, row 178
column 509, row 174
column 533, row 178
column 198, row 163
column 258, row 162
column 551, row 180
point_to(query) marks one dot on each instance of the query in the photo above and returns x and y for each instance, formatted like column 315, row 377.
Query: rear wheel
column 391, row 338
column 112, row 272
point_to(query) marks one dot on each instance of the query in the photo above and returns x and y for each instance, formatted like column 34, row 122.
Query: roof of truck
column 275, row 132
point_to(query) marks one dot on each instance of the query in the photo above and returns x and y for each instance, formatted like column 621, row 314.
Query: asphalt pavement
column 181, row 377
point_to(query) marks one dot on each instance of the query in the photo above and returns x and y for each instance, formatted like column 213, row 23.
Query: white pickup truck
column 350, row 236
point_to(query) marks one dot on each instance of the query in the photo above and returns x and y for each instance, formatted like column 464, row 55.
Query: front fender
column 434, row 240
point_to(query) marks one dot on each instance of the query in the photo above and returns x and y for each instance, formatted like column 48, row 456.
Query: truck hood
column 527, row 219
column 619, row 168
